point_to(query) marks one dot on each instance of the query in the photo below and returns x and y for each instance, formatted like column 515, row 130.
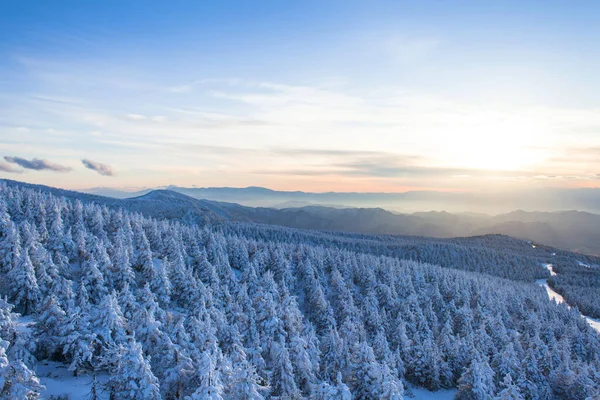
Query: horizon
column 458, row 203
column 385, row 97
column 133, row 189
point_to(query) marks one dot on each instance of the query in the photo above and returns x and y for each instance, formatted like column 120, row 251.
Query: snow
column 424, row 394
column 25, row 324
column 583, row 264
column 594, row 323
column 551, row 293
column 58, row 380
column 164, row 333
column 550, row 268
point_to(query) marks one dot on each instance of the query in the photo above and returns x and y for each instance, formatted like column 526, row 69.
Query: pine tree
column 477, row 382
column 50, row 328
column 506, row 362
column 243, row 383
column 128, row 303
column 143, row 254
column 301, row 362
column 282, row 381
column 56, row 239
column 510, row 391
column 391, row 387
column 210, row 387
column 132, row 378
column 531, row 382
column 93, row 280
column 4, row 367
column 333, row 355
column 108, row 322
column 160, row 283
column 176, row 370
column 10, row 248
column 368, row 376
column 342, row 390
column 327, row 391
column 23, row 287
column 80, row 342
column 8, row 329
column 122, row 272
column 19, row 382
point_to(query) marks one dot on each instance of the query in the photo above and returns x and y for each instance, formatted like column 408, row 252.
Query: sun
column 508, row 144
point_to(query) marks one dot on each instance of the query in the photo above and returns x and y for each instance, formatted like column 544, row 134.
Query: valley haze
column 561, row 226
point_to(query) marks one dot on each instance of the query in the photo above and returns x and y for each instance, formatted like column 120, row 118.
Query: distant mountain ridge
column 586, row 199
column 157, row 204
column 569, row 230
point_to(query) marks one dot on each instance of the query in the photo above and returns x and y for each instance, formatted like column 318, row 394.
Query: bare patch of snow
column 551, row 269
column 58, row 380
column 25, row 324
column 583, row 264
column 424, row 394
column 553, row 295
column 594, row 323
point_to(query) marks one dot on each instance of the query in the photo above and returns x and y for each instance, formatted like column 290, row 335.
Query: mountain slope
column 570, row 230
column 157, row 309
column 586, row 199
column 157, row 204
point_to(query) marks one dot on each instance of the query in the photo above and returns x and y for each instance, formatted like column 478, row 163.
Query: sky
column 301, row 95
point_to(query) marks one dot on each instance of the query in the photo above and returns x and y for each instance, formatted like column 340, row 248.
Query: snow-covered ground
column 583, row 265
column 551, row 293
column 58, row 380
column 25, row 324
column 424, row 394
column 594, row 323
column 551, row 269
column 56, row 377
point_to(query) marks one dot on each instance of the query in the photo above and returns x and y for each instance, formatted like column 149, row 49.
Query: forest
column 579, row 284
column 151, row 308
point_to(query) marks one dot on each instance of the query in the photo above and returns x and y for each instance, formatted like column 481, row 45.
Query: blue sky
column 329, row 95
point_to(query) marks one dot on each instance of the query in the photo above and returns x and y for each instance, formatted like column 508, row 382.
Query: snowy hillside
column 153, row 308
column 162, row 204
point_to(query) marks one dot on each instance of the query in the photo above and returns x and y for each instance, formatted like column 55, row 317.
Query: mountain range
column 569, row 230
column 99, row 297
column 488, row 201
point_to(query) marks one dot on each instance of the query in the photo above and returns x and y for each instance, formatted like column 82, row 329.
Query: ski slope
column 594, row 323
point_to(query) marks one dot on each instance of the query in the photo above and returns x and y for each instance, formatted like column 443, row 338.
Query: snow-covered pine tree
column 23, row 287
column 131, row 378
column 50, row 329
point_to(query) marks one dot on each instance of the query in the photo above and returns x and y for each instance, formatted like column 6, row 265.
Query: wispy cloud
column 38, row 164
column 250, row 128
column 102, row 169
column 391, row 169
column 306, row 152
column 5, row 167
